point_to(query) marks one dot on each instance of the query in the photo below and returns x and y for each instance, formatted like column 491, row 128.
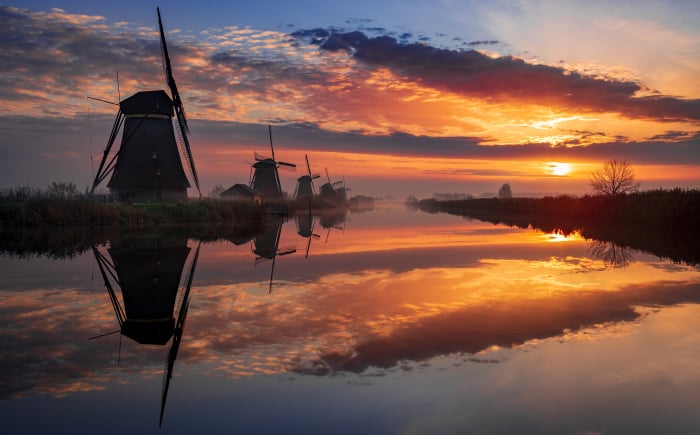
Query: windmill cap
column 147, row 102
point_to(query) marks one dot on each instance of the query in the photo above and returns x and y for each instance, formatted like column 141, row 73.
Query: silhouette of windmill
column 148, row 165
column 330, row 192
column 265, row 178
column 266, row 245
column 155, row 300
column 305, row 183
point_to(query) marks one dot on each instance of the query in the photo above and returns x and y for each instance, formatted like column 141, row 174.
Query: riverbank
column 677, row 208
column 663, row 222
column 46, row 211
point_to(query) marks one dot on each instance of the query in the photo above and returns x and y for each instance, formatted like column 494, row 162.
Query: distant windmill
column 329, row 191
column 305, row 183
column 148, row 165
column 266, row 179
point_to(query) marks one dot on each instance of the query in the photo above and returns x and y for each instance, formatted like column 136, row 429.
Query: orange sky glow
column 369, row 106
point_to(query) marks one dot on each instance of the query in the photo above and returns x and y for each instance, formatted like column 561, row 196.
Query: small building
column 242, row 192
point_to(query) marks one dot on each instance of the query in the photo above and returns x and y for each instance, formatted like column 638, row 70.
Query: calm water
column 388, row 321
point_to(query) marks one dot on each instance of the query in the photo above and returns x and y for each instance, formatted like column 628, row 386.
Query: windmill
column 148, row 166
column 265, row 178
column 305, row 183
column 329, row 191
column 155, row 297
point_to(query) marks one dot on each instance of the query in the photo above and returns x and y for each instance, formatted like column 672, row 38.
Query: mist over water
column 383, row 321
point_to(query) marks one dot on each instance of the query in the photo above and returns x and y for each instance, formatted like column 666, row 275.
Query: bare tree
column 216, row 191
column 616, row 177
column 505, row 191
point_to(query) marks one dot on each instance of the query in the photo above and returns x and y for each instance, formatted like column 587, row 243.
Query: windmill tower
column 266, row 179
column 149, row 163
column 305, row 183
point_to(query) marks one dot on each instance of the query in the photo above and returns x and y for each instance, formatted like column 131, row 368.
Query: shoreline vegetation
column 30, row 207
column 661, row 222
column 676, row 208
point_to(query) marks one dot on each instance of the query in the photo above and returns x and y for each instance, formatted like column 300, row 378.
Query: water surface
column 388, row 321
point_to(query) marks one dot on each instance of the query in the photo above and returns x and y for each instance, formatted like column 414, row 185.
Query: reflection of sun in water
column 559, row 169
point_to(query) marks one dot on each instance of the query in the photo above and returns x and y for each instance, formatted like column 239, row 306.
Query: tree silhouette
column 616, row 177
column 505, row 191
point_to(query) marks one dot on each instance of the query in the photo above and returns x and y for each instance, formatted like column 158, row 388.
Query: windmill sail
column 148, row 165
column 177, row 102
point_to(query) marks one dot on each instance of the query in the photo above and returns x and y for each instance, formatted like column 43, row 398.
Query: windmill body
column 266, row 180
column 148, row 167
column 305, row 184
column 152, row 156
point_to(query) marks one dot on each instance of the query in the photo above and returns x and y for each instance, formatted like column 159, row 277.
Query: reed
column 30, row 207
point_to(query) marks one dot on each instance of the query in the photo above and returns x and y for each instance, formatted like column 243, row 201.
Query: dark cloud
column 507, row 78
column 477, row 43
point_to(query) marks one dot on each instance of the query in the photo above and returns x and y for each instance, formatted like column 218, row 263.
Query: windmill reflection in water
column 265, row 245
column 147, row 273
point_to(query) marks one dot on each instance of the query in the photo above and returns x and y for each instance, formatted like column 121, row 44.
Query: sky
column 396, row 98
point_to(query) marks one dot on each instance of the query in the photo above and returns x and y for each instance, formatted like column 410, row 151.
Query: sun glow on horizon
column 558, row 168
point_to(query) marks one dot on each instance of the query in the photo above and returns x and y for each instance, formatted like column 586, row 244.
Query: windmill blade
column 104, row 170
column 308, row 167
column 188, row 152
column 177, row 102
column 328, row 176
column 272, row 147
column 315, row 176
column 289, row 167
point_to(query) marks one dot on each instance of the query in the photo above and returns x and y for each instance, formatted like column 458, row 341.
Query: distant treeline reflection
column 661, row 222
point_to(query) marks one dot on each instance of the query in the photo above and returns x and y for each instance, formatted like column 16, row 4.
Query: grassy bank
column 663, row 223
column 677, row 208
column 44, row 210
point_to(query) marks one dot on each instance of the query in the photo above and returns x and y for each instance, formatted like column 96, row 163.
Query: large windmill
column 305, row 183
column 265, row 178
column 148, row 166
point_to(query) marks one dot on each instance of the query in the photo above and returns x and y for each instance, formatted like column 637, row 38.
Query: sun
column 558, row 169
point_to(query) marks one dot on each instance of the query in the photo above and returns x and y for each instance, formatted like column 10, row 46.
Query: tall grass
column 30, row 207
